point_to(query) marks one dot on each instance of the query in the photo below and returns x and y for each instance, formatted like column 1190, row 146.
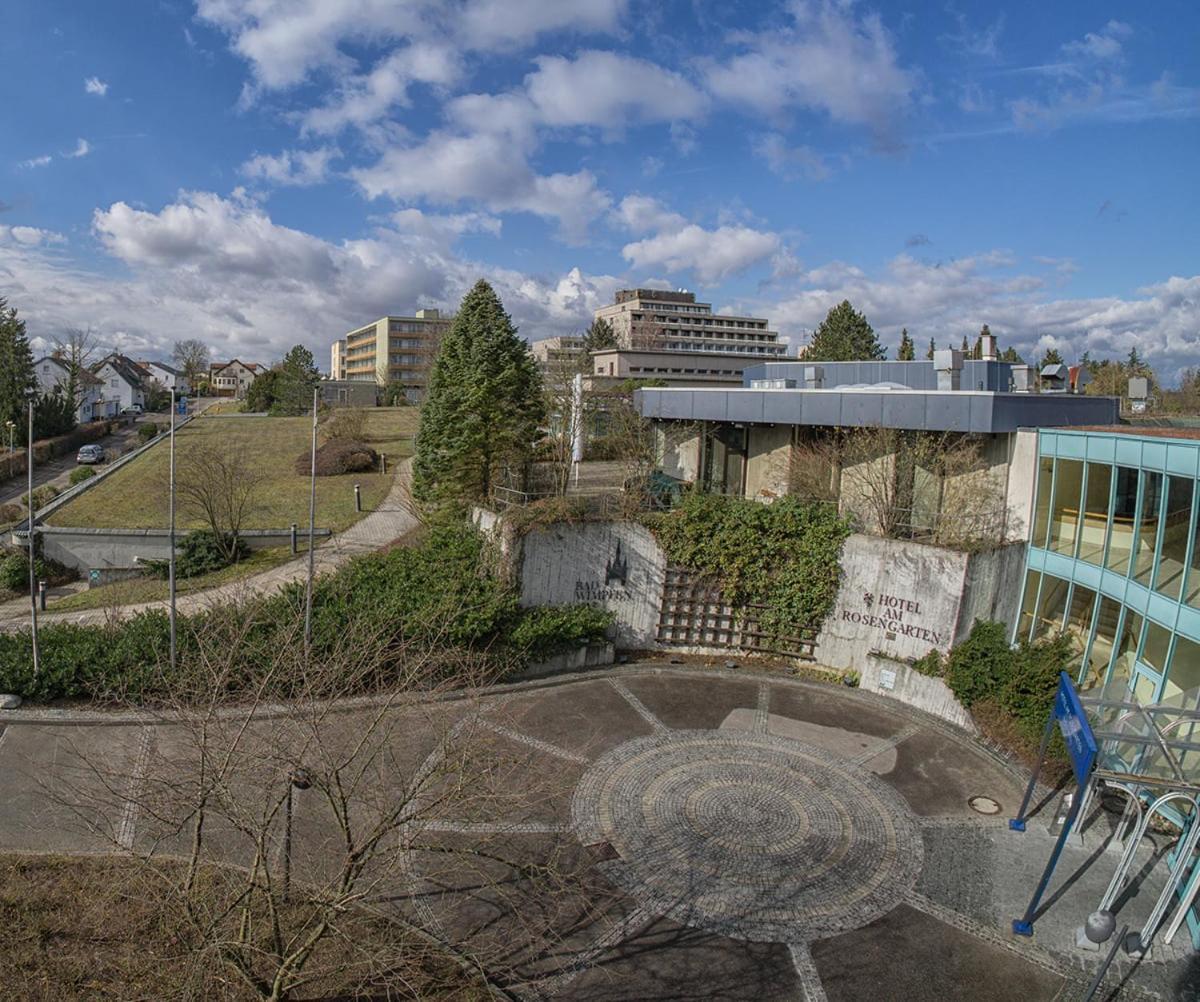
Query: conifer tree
column 932, row 349
column 907, row 350
column 599, row 335
column 844, row 336
column 1052, row 357
column 16, row 368
column 966, row 348
column 483, row 407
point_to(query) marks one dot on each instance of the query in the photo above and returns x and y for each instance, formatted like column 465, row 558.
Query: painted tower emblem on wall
column 616, row 569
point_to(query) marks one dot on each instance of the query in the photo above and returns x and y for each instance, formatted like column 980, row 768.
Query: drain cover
column 983, row 805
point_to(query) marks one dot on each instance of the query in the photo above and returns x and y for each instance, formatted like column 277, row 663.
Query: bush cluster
column 783, row 557
column 14, row 572
column 441, row 595
column 338, row 456
column 1020, row 680
column 147, row 430
column 80, row 474
column 200, row 552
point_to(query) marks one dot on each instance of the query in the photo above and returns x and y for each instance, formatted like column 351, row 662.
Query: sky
column 262, row 173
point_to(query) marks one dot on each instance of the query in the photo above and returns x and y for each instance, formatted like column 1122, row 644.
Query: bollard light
column 357, row 498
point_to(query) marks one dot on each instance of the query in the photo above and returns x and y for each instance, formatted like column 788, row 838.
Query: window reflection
column 1064, row 521
column 1154, row 650
column 1147, row 536
column 1108, row 613
column 1041, row 520
column 1079, row 618
column 1184, row 674
column 1025, row 623
column 1052, row 607
column 1176, row 522
column 1131, row 631
column 1094, row 530
column 1124, row 506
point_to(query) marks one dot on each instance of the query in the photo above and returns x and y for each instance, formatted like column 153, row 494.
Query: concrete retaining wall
column 613, row 565
column 88, row 549
column 932, row 695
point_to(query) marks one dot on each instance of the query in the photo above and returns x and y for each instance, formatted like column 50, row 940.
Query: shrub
column 147, row 430
column 200, row 552
column 931, row 664
column 978, row 668
column 339, row 456
column 11, row 513
column 14, row 572
column 44, row 495
column 543, row 632
column 80, row 474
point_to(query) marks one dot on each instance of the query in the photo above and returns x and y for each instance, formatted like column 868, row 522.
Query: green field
column 135, row 496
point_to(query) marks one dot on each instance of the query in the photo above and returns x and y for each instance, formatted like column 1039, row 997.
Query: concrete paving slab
column 848, row 744
column 937, row 775
column 829, row 706
column 692, row 701
column 587, row 717
column 909, row 955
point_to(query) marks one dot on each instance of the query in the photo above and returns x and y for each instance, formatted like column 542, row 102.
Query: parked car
column 90, row 454
column 134, row 409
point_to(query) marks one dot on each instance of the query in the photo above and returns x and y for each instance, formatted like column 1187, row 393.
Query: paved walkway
column 671, row 833
column 391, row 520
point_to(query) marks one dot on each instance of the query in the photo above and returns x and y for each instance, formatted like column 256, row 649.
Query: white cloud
column 1105, row 44
column 712, row 254
column 609, row 90
column 792, row 161
column 82, row 149
column 642, row 214
column 30, row 236
column 362, row 99
column 294, row 168
column 94, row 85
column 487, row 24
column 826, row 59
column 34, row 162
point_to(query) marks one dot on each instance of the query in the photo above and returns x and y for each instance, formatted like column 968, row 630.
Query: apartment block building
column 337, row 359
column 393, row 349
column 656, row 320
column 551, row 351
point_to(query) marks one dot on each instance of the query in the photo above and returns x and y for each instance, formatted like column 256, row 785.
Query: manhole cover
column 983, row 805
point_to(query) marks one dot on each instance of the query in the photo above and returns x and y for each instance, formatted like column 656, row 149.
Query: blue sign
column 1076, row 731
column 181, row 406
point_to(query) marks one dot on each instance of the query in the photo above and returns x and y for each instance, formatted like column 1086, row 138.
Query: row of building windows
column 1113, row 641
column 408, row 326
column 699, row 372
column 1134, row 522
column 407, row 342
column 740, row 349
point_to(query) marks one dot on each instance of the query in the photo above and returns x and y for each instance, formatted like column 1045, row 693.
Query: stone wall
column 768, row 461
column 614, row 565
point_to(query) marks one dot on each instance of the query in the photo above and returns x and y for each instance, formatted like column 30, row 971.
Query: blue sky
column 264, row 172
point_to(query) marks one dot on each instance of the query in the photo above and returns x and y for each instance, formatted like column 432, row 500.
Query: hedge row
column 12, row 464
column 439, row 595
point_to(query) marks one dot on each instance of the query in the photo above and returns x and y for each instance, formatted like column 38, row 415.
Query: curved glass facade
column 1113, row 558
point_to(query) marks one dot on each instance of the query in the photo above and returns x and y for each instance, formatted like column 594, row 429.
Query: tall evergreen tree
column 483, row 407
column 966, row 347
column 298, row 377
column 1134, row 363
column 599, row 335
column 907, row 350
column 16, row 369
column 1052, row 357
column 1011, row 355
column 932, row 349
column 844, row 336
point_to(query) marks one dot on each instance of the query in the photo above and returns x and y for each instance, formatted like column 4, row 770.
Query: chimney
column 948, row 362
column 987, row 347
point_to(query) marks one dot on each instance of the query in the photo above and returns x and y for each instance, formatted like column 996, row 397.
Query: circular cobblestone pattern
column 749, row 835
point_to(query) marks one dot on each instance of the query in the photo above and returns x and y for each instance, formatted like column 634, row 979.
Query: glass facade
column 1114, row 559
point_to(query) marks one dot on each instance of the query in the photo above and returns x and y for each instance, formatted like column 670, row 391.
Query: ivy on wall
column 785, row 556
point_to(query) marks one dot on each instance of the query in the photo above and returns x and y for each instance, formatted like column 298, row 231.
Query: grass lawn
column 136, row 496
column 75, row 928
column 138, row 590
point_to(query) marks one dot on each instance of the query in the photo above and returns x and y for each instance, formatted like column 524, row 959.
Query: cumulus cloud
column 713, row 255
column 1107, row 43
column 948, row 299
column 94, row 85
column 292, row 168
column 222, row 270
column 642, row 214
column 828, row 59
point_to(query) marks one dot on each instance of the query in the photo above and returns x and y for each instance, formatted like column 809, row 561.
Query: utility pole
column 171, row 537
column 29, row 525
column 312, row 530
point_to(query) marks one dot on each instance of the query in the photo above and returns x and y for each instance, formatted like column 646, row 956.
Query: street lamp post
column 171, row 536
column 312, row 521
column 29, row 526
column 12, row 429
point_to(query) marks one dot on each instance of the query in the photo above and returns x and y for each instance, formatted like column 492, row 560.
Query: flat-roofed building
column 394, row 349
column 677, row 368
column 673, row 321
column 337, row 359
column 564, row 348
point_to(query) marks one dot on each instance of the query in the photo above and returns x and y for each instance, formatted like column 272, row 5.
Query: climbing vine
column 784, row 555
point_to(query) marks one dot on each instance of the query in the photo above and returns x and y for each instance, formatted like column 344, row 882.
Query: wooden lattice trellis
column 694, row 613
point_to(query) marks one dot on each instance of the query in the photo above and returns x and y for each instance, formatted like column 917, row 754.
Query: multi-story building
column 680, row 368
column 53, row 373
column 564, row 348
column 124, row 382
column 396, row 349
column 673, row 321
column 337, row 359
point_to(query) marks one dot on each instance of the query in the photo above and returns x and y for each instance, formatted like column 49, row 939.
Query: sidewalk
column 390, row 521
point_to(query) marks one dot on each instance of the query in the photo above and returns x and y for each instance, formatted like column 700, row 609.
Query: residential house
column 233, row 378
column 124, row 382
column 170, row 377
column 54, row 372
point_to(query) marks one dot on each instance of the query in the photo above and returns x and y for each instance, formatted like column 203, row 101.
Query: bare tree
column 564, row 383
column 192, row 359
column 222, row 485
column 270, row 828
column 77, row 349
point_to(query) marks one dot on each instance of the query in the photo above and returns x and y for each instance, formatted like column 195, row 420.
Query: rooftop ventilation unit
column 772, row 384
column 948, row 362
column 1054, row 378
